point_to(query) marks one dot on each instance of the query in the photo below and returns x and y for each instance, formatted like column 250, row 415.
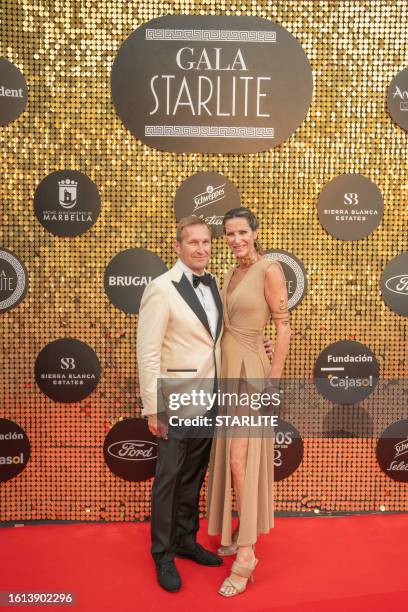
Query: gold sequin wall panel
column 65, row 51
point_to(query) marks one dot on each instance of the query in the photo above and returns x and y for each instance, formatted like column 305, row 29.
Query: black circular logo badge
column 346, row 372
column 350, row 207
column 392, row 451
column 295, row 273
column 211, row 84
column 127, row 276
column 67, row 203
column 13, row 92
column 14, row 449
column 67, row 370
column 288, row 450
column 394, row 284
column 130, row 450
column 207, row 195
column 13, row 280
column 397, row 99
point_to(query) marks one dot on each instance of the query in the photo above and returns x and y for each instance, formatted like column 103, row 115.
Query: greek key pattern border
column 21, row 280
column 208, row 131
column 257, row 36
column 300, row 280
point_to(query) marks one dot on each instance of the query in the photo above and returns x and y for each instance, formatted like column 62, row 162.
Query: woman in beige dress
column 253, row 291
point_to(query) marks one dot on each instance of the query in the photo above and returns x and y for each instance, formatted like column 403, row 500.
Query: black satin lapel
column 218, row 303
column 188, row 294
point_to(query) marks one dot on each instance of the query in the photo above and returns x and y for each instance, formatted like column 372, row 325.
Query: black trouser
column 180, row 471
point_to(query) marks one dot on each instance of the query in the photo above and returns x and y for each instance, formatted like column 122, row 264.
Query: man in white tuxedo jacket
column 179, row 331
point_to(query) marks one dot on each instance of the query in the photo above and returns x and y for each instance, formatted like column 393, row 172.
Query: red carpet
column 353, row 563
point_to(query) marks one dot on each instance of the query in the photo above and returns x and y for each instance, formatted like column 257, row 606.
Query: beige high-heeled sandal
column 231, row 549
column 229, row 587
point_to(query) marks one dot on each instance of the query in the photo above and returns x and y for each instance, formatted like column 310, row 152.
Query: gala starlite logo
column 211, row 84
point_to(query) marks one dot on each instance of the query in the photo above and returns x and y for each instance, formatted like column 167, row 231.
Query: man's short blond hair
column 187, row 222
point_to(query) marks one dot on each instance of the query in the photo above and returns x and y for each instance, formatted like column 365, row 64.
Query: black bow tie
column 205, row 279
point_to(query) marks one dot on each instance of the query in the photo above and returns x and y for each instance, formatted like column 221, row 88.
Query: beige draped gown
column 246, row 312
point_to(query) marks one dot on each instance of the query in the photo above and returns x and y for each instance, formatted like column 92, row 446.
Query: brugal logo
column 129, row 281
column 67, row 191
column 133, row 450
column 127, row 275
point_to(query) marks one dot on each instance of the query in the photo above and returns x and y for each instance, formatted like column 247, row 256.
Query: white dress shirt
column 205, row 296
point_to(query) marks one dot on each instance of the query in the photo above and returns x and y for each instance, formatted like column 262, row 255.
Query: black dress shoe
column 168, row 576
column 199, row 554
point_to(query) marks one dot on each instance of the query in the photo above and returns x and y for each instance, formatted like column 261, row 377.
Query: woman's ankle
column 245, row 554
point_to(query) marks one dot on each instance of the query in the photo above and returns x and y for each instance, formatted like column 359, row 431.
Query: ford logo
column 133, row 450
column 398, row 284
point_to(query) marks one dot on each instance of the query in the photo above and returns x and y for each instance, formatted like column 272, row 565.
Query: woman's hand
column 268, row 346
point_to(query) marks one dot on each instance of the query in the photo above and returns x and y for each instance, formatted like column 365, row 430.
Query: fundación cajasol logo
column 208, row 195
column 350, row 207
column 13, row 92
column 13, row 280
column 67, row 203
column 127, row 276
column 295, row 274
column 392, row 451
column 346, row 372
column 397, row 99
column 394, row 284
column 14, row 449
column 211, row 84
column 130, row 450
column 67, row 370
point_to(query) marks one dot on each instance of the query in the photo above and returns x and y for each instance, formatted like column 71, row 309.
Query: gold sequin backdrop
column 65, row 51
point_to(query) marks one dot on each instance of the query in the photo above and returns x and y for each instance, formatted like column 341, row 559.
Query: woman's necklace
column 246, row 262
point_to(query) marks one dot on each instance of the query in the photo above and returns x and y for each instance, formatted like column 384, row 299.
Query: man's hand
column 157, row 427
column 268, row 346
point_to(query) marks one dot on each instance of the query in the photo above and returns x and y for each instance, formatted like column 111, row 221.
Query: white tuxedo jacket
column 173, row 337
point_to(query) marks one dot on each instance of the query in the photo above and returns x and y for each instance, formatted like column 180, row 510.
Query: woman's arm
column 276, row 295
